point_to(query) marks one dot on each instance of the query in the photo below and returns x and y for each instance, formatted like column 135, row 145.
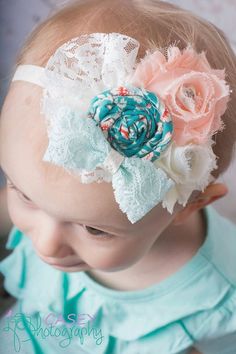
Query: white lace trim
column 97, row 62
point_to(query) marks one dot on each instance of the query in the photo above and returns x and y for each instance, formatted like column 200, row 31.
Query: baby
column 118, row 122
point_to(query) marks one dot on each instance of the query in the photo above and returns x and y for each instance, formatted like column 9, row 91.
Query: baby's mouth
column 74, row 268
column 67, row 266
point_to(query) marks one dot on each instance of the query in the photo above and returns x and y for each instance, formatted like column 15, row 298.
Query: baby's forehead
column 23, row 132
column 21, row 116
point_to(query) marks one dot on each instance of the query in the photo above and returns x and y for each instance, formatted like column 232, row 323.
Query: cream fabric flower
column 190, row 167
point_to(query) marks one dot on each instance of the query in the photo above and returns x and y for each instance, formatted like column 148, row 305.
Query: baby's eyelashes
column 23, row 196
column 98, row 234
column 93, row 231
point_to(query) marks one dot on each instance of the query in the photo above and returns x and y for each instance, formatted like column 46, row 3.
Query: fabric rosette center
column 134, row 121
column 189, row 98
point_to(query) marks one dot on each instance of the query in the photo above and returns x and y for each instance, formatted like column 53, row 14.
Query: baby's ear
column 211, row 193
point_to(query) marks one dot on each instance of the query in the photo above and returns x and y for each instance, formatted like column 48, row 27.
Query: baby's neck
column 176, row 246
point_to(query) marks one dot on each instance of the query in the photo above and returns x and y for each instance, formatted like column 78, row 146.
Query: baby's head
column 69, row 221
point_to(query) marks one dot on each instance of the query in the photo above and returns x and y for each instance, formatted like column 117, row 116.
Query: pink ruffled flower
column 195, row 94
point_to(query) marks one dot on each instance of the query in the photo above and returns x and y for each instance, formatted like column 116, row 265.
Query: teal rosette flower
column 134, row 121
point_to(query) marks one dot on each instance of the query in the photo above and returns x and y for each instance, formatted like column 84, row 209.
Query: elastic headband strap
column 29, row 73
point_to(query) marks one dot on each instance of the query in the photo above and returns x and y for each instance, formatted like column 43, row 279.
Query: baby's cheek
column 113, row 258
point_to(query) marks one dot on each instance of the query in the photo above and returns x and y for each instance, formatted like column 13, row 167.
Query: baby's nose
column 51, row 242
column 63, row 252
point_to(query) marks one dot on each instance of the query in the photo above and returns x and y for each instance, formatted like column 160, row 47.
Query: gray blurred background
column 19, row 17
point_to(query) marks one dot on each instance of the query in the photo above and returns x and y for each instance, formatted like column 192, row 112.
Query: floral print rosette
column 145, row 126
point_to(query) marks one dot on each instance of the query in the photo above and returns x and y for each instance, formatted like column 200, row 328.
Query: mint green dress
column 59, row 312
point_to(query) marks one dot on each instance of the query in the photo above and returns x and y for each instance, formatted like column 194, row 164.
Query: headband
column 145, row 126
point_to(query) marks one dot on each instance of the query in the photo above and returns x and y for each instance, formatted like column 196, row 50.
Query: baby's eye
column 22, row 196
column 93, row 231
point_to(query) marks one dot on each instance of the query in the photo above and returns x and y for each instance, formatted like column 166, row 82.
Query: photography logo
column 60, row 327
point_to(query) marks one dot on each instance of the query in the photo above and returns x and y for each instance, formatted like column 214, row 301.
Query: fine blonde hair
column 155, row 24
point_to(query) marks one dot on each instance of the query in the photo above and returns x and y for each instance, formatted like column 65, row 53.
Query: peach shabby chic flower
column 195, row 94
